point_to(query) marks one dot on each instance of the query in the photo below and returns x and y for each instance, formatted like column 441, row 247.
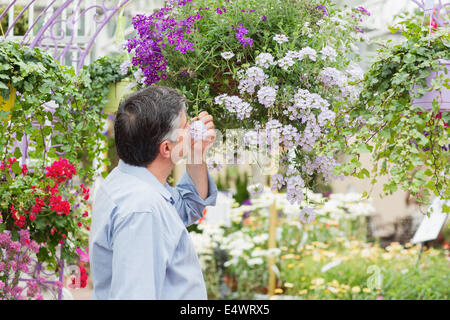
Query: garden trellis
column 66, row 29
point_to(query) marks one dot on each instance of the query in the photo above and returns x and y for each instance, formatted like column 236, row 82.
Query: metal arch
column 437, row 11
column 49, row 37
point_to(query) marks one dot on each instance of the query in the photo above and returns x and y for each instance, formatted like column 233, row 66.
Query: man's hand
column 196, row 165
column 198, row 148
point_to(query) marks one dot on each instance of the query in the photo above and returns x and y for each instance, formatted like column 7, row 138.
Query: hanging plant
column 407, row 138
column 48, row 104
column 279, row 68
column 107, row 80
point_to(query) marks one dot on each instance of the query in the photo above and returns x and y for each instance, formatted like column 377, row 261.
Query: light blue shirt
column 139, row 246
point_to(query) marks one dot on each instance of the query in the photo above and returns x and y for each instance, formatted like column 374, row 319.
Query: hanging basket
column 116, row 92
column 443, row 95
column 7, row 105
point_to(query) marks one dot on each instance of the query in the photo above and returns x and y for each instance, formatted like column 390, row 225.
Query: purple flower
column 156, row 32
column 359, row 30
column 221, row 10
column 323, row 8
column 240, row 32
column 363, row 10
column 264, row 18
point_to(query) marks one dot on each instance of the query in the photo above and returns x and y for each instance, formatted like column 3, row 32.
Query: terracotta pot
column 426, row 101
column 116, row 92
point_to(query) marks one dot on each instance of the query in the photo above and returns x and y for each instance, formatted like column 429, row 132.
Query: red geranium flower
column 61, row 170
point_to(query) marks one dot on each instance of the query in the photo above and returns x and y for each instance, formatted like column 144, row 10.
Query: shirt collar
column 146, row 176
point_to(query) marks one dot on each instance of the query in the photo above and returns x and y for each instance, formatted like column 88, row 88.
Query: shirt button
column 172, row 201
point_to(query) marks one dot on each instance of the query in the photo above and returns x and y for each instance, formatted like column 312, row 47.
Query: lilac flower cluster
column 124, row 67
column 267, row 96
column 264, row 60
column 291, row 136
column 254, row 77
column 221, row 10
column 332, row 77
column 235, row 105
column 155, row 32
column 240, row 33
column 307, row 215
column 280, row 38
column 291, row 56
column 304, row 101
column 329, row 53
column 294, row 189
column 277, row 181
column 323, row 8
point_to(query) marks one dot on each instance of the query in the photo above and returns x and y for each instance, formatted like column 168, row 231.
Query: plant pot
column 116, row 92
column 426, row 101
column 7, row 105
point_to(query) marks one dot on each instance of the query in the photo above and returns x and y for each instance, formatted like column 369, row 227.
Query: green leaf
column 14, row 235
column 364, row 148
column 16, row 167
column 17, row 153
column 386, row 132
column 3, row 86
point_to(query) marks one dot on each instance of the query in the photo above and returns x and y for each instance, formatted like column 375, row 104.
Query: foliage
column 48, row 106
column 405, row 142
column 98, row 75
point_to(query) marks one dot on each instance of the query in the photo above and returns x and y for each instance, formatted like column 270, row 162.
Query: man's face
column 180, row 148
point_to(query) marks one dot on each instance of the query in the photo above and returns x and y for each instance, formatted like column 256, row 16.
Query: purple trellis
column 437, row 9
column 47, row 38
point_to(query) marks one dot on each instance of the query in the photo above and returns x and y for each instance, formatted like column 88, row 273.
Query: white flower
column 254, row 77
column 329, row 52
column 307, row 215
column 354, row 71
column 280, row 38
column 267, row 96
column 227, row 55
column 260, row 238
column 124, row 67
column 332, row 77
column 307, row 51
column 255, row 189
column 264, row 60
column 254, row 261
column 138, row 76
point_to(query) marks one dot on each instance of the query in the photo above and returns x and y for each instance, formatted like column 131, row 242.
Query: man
column 139, row 244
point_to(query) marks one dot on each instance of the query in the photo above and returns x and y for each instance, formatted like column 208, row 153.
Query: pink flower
column 84, row 257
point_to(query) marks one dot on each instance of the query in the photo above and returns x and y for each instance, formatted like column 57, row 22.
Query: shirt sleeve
column 187, row 200
column 139, row 257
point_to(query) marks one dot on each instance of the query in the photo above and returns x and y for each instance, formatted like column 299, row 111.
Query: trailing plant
column 50, row 109
column 406, row 142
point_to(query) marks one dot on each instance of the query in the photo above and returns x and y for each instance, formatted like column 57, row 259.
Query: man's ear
column 165, row 149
